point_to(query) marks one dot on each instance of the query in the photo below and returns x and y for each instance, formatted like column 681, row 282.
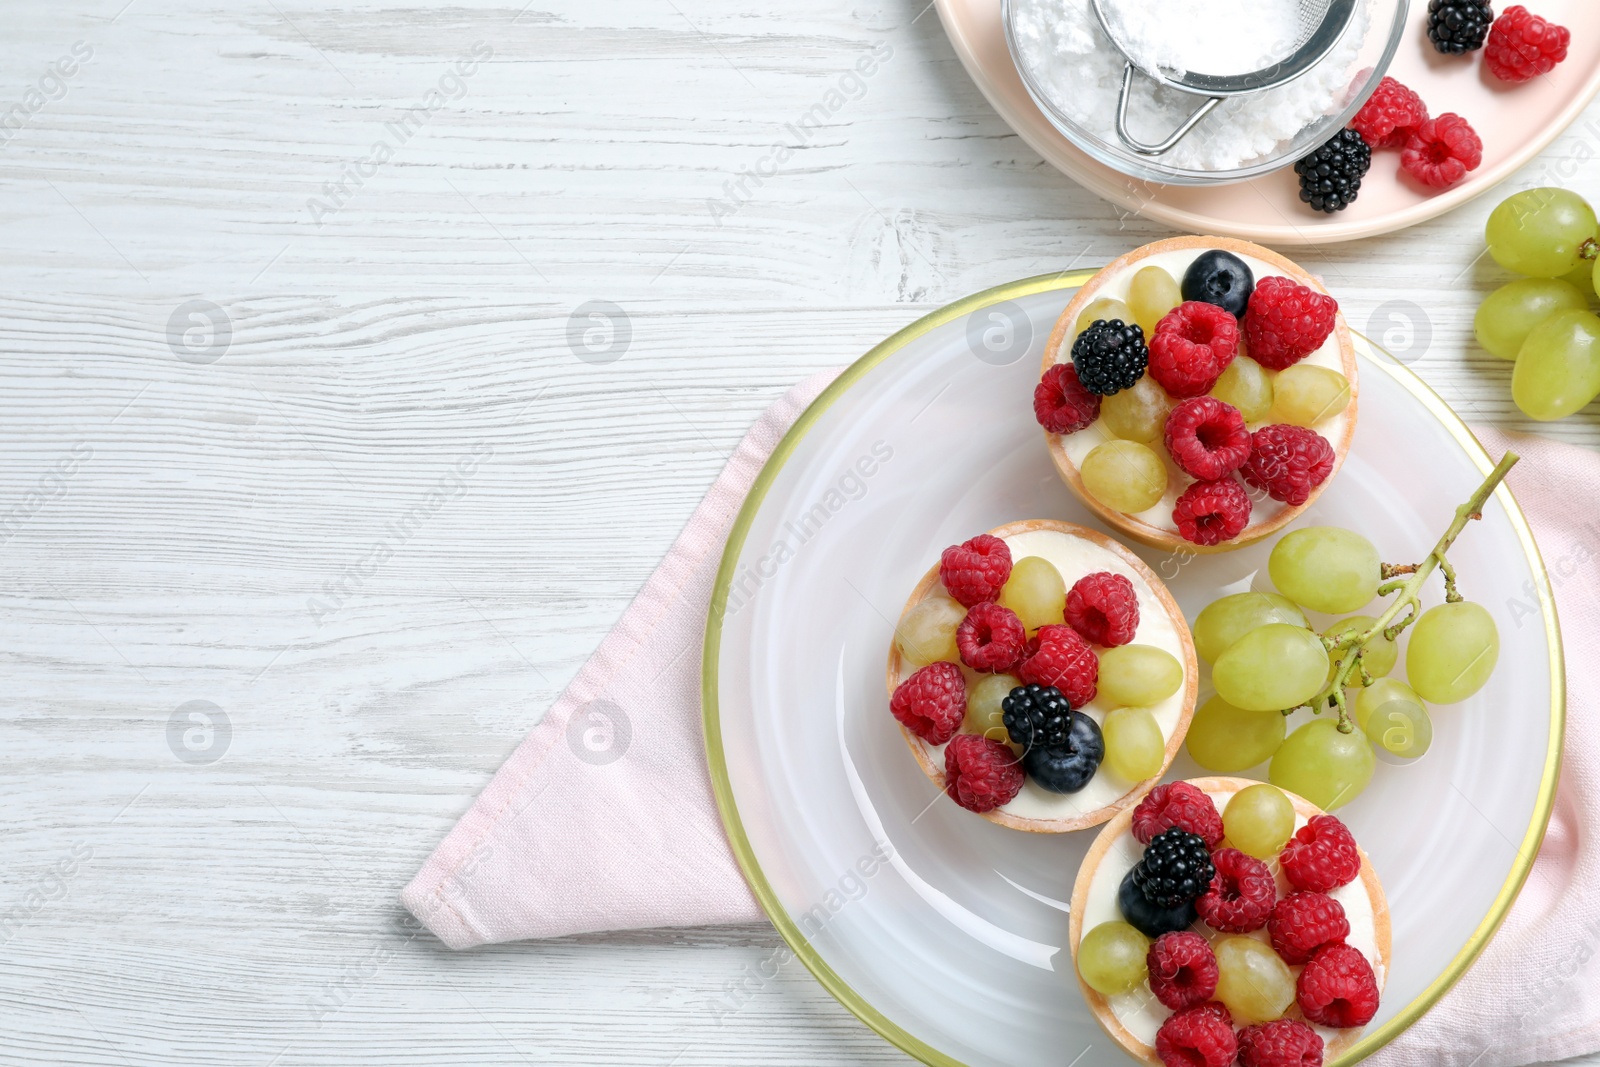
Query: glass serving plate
column 947, row 933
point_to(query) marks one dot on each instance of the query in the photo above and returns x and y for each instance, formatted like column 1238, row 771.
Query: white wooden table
column 254, row 310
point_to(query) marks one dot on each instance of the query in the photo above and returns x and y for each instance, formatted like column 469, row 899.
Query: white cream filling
column 1075, row 557
column 1138, row 1010
column 1079, row 445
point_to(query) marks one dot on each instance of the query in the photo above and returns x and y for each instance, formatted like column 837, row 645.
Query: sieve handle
column 1155, row 149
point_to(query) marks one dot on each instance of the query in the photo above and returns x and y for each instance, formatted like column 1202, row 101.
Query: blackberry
column 1330, row 177
column 1175, row 869
column 1109, row 356
column 1037, row 716
column 1457, row 26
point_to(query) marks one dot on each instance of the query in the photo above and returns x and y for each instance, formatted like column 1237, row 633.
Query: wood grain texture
column 170, row 525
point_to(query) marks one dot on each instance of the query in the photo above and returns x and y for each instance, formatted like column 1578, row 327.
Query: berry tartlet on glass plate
column 1225, row 920
column 1043, row 676
column 1198, row 393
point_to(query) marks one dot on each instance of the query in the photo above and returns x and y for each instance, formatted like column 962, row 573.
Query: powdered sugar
column 1074, row 66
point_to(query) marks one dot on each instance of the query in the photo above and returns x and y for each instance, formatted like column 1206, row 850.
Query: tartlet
column 1153, row 527
column 1162, row 623
column 1088, row 908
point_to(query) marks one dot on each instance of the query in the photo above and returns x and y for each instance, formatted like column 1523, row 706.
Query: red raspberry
column 1103, row 608
column 1209, row 513
column 1389, row 115
column 1441, row 151
column 991, row 638
column 981, row 773
column 932, row 702
column 1288, row 462
column 1322, row 855
column 1178, row 804
column 1241, row 895
column 1301, row 923
column 974, row 571
column 1201, row 1036
column 1286, row 322
column 1207, row 438
column 1193, row 345
column 1061, row 403
column 1338, row 988
column 1522, row 45
column 1280, row 1043
column 1183, row 969
column 1058, row 656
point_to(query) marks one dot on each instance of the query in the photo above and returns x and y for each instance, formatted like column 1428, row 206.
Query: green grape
column 1509, row 314
column 928, row 632
column 984, row 713
column 1258, row 820
column 1582, row 278
column 1226, row 739
column 1252, row 980
column 1102, row 308
column 1271, row 668
column 1540, row 232
column 1326, row 767
column 1036, row 592
column 1399, row 726
column 1224, row 621
column 1125, row 476
column 1135, row 749
column 1325, row 569
column 1305, row 395
column 1111, row 958
column 1558, row 366
column 1139, row 675
column 1378, row 694
column 1151, row 294
column 1246, row 385
column 1138, row 413
column 1451, row 652
column 1379, row 657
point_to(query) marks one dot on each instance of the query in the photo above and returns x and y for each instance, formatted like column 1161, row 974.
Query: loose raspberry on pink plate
column 1522, row 45
column 1442, row 151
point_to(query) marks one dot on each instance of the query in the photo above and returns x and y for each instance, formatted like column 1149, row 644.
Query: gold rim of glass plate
column 723, row 789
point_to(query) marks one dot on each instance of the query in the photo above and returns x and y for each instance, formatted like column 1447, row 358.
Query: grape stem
column 1406, row 579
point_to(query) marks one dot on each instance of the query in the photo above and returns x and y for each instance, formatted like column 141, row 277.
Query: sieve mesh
column 1320, row 24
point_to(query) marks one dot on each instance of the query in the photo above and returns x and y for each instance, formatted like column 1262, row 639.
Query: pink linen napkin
column 569, row 837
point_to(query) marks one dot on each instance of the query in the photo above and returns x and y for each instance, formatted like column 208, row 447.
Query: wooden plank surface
column 273, row 271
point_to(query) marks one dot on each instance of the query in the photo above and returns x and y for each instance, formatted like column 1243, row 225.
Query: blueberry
column 1220, row 278
column 1150, row 919
column 1067, row 768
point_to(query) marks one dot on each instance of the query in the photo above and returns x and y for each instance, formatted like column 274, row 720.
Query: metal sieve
column 1321, row 24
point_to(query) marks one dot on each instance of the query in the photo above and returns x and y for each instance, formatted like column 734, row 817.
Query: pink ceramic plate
column 1516, row 122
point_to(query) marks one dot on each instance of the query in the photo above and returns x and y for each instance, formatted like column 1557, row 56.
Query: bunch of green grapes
column 1542, row 320
column 1268, row 660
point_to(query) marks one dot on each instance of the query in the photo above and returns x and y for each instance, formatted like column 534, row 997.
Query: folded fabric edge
column 436, row 896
